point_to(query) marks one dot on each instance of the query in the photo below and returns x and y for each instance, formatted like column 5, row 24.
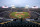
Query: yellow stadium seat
column 38, row 23
column 34, row 22
column 1, row 23
column 5, row 22
column 8, row 21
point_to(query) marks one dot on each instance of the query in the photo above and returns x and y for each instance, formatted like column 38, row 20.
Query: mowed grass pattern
column 26, row 14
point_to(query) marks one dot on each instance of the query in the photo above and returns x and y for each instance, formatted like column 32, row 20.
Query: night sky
column 20, row 3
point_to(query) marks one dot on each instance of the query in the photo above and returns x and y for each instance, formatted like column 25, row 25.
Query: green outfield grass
column 17, row 15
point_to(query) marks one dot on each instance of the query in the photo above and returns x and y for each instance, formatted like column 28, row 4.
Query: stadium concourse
column 7, row 21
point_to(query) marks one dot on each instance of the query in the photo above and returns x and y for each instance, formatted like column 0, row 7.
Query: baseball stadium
column 19, row 13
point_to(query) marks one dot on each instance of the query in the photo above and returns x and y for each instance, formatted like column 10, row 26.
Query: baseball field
column 19, row 15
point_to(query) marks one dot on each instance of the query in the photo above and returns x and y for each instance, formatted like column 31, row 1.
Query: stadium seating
column 5, row 23
column 14, row 23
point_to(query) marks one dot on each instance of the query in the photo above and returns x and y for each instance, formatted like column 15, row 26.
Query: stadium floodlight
column 35, row 7
column 27, row 6
column 4, row 6
column 12, row 6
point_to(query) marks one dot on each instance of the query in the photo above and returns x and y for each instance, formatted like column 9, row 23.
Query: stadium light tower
column 35, row 7
column 27, row 6
column 4, row 6
column 12, row 6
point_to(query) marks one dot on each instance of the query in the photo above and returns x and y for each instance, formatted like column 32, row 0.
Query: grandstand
column 7, row 21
